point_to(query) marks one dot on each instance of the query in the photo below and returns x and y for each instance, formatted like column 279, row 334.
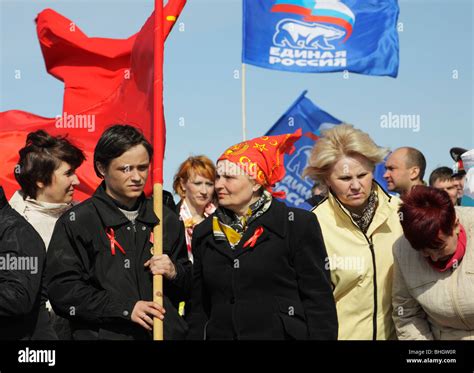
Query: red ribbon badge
column 111, row 235
column 253, row 240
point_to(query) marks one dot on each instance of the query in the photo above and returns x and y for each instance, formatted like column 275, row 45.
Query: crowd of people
column 238, row 264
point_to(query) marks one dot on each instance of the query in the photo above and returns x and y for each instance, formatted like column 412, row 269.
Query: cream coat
column 428, row 304
column 361, row 266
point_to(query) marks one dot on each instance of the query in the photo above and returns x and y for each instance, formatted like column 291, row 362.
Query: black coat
column 96, row 290
column 168, row 201
column 23, row 314
column 279, row 289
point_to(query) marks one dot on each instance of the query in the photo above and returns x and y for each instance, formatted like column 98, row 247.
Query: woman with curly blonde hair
column 359, row 222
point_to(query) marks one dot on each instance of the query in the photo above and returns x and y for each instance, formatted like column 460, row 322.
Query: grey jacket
column 428, row 304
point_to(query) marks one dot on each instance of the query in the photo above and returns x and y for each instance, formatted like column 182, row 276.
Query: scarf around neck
column 365, row 218
column 190, row 221
column 456, row 257
column 228, row 226
column 47, row 208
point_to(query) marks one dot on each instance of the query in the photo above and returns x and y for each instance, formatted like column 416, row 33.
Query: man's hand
column 144, row 311
column 162, row 265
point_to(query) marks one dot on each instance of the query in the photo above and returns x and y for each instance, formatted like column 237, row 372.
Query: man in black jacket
column 23, row 314
column 99, row 257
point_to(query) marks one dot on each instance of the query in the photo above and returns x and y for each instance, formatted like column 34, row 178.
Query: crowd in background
column 238, row 264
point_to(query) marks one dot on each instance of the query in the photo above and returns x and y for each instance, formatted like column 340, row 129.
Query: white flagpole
column 244, row 107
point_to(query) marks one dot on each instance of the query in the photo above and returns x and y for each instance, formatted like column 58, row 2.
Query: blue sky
column 203, row 97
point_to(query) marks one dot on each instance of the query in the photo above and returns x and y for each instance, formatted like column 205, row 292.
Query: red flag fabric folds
column 106, row 81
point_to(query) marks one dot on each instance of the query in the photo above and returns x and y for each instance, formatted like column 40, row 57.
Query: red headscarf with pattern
column 262, row 158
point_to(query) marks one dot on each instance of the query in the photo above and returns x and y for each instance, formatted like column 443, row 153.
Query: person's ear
column 326, row 182
column 182, row 184
column 457, row 226
column 414, row 172
column 256, row 187
column 40, row 185
column 101, row 168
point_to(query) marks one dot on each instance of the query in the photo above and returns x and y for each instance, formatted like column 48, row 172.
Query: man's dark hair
column 41, row 156
column 115, row 141
column 442, row 174
column 416, row 158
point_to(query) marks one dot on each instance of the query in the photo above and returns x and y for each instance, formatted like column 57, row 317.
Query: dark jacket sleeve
column 68, row 276
column 20, row 289
column 179, row 288
column 200, row 303
column 314, row 281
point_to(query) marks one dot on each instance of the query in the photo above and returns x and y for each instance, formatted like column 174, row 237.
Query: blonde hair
column 193, row 166
column 340, row 141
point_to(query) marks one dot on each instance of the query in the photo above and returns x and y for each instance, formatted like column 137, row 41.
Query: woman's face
column 235, row 189
column 350, row 179
column 447, row 249
column 62, row 185
column 198, row 190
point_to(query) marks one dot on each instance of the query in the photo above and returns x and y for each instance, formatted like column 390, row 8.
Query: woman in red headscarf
column 259, row 266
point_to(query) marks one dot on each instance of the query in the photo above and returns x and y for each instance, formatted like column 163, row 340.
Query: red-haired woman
column 194, row 183
column 433, row 285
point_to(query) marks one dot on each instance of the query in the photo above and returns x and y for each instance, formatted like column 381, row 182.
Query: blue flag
column 315, row 36
column 312, row 120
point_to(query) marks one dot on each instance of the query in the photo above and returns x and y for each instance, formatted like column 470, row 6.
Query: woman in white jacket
column 433, row 284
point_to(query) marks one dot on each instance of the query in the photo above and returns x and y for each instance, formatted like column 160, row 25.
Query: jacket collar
column 385, row 208
column 112, row 216
column 383, row 211
column 273, row 219
column 466, row 218
column 3, row 199
column 21, row 203
column 469, row 250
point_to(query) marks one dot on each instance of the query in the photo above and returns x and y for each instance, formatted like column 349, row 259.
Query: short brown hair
column 115, row 141
column 41, row 156
column 415, row 158
column 441, row 174
column 198, row 165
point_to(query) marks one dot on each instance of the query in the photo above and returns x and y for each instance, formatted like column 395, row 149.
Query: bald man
column 405, row 168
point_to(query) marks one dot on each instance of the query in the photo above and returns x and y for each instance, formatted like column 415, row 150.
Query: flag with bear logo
column 317, row 36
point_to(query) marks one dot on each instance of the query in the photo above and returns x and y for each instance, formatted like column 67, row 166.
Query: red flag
column 106, row 81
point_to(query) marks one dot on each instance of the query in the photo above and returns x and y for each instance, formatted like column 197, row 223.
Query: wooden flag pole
column 244, row 105
column 158, row 146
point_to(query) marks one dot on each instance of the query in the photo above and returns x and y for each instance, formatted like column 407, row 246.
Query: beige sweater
column 428, row 304
column 41, row 215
